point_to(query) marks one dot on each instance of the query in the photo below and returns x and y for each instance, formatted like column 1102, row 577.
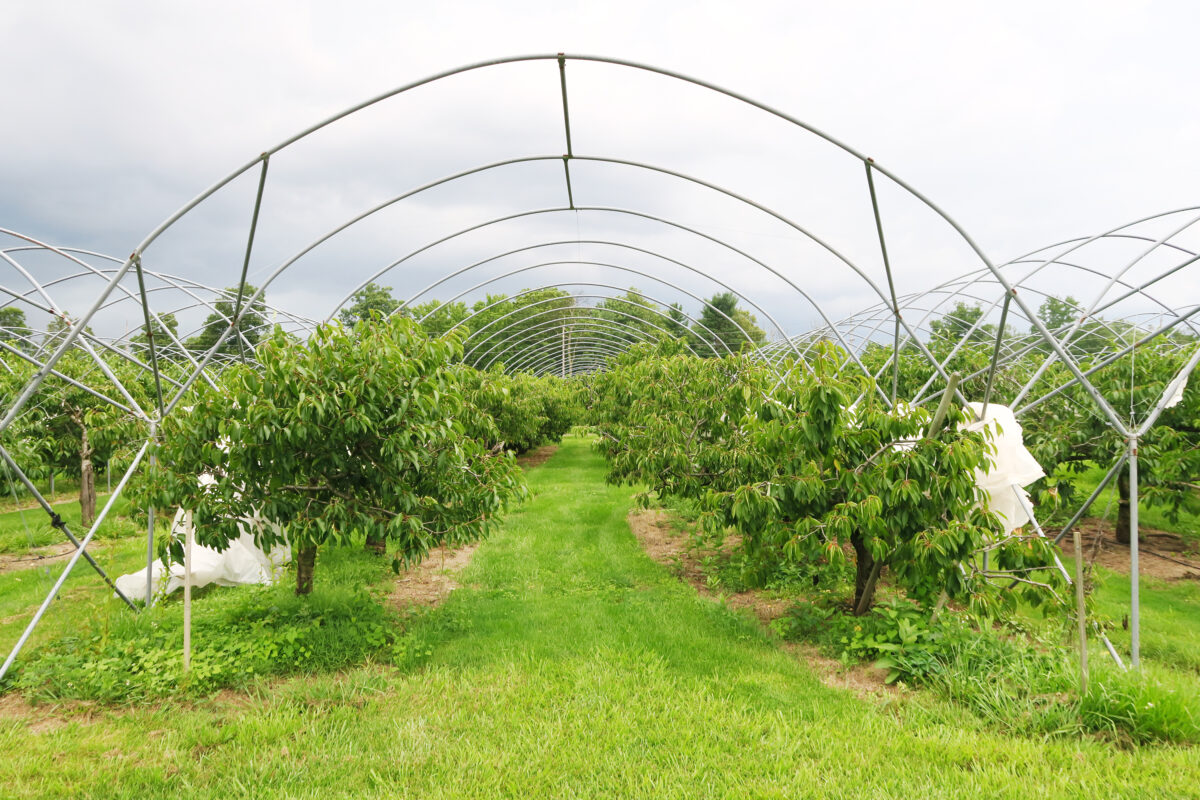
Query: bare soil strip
column 431, row 581
column 652, row 527
column 38, row 556
column 537, row 456
column 1166, row 556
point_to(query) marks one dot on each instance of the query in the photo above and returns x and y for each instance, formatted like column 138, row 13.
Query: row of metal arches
column 579, row 342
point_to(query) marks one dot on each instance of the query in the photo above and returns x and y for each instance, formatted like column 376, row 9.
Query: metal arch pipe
column 94, row 340
column 381, row 272
column 549, row 361
column 555, row 324
column 551, row 352
column 531, row 356
column 575, row 370
column 495, row 353
column 1109, row 360
column 666, row 73
column 608, row 209
column 704, row 303
column 659, row 302
column 552, row 335
column 521, row 320
column 78, row 385
column 645, row 251
column 883, row 171
column 952, row 293
column 977, row 277
column 67, row 253
column 1117, row 423
column 577, row 365
column 540, row 349
column 482, row 328
column 89, row 270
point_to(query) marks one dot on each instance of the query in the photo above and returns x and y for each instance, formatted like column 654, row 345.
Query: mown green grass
column 84, row 599
column 29, row 527
column 569, row 665
column 1170, row 617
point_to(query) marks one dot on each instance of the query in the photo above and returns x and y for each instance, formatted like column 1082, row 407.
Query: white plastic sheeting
column 242, row 563
column 1012, row 466
column 1177, row 396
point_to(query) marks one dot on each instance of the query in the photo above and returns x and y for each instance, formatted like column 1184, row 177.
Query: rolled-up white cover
column 242, row 563
column 1012, row 465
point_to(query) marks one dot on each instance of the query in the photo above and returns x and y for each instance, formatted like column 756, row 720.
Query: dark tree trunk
column 87, row 480
column 306, row 563
column 866, row 573
column 375, row 543
column 1124, row 518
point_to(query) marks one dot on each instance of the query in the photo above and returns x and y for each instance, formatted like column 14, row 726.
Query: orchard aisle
column 571, row 665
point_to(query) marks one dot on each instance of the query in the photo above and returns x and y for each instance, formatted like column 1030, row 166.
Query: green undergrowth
column 1018, row 679
column 238, row 634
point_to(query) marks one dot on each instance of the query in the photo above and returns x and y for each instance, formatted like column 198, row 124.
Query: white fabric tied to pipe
column 1177, row 396
column 1012, row 466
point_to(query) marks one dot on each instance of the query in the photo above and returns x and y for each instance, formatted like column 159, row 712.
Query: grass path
column 569, row 665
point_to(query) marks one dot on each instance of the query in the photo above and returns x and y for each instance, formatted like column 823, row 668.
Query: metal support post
column 188, row 536
column 1134, row 601
column 150, row 525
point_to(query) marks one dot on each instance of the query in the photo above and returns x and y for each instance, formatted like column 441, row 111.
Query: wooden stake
column 1080, row 613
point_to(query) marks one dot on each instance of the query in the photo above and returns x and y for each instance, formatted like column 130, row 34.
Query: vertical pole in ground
column 188, row 532
column 150, row 526
column 1080, row 613
column 1134, row 600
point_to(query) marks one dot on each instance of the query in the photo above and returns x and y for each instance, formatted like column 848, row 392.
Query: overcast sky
column 1027, row 122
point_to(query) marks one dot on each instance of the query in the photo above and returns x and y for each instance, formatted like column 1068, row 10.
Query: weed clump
column 1009, row 677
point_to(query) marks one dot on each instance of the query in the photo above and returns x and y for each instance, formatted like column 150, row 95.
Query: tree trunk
column 866, row 572
column 375, row 543
column 87, row 480
column 1124, row 518
column 306, row 563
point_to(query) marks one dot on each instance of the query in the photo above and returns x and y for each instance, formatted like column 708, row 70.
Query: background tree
column 716, row 332
column 439, row 317
column 14, row 330
column 1060, row 315
column 166, row 333
column 370, row 301
column 251, row 327
column 955, row 326
column 73, row 430
column 638, row 318
column 677, row 323
column 56, row 331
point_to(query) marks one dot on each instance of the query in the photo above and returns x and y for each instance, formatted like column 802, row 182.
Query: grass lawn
column 568, row 665
column 1170, row 614
column 29, row 526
